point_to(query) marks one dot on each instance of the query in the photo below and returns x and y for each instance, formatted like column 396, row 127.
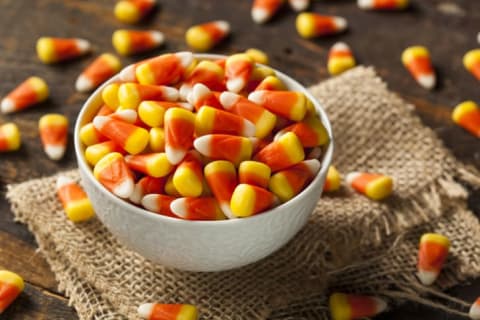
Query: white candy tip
column 145, row 310
column 380, row 304
column 127, row 115
column 223, row 25
column 83, row 84
column 228, row 99
column 351, row 176
column 341, row 46
column 128, row 74
column 63, row 181
column 235, row 84
column 185, row 91
column 179, row 207
column 7, row 106
column 474, row 312
column 186, row 58
column 427, row 81
column 202, row 144
column 174, row 156
column 340, row 23
column 313, row 165
column 260, row 15
column 124, row 189
column 137, row 194
column 478, row 37
column 55, row 152
column 157, row 37
column 171, row 94
column 427, row 277
column 83, row 45
column 365, row 4
column 249, row 128
column 256, row 96
column 198, row 92
column 299, row 5
column 99, row 121
column 149, row 202
column 227, row 211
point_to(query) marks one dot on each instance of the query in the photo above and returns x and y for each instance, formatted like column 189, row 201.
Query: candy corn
column 259, row 74
column 129, row 42
column 207, row 73
column 131, row 138
column 349, row 307
column 238, row 69
column 221, row 177
column 474, row 312
column 417, row 60
column 52, row 50
column 374, row 186
column 254, row 173
column 53, row 133
column 264, row 10
column 131, row 94
column 10, row 138
column 74, row 200
column 157, row 140
column 163, row 70
column 382, row 4
column 132, row 11
column 283, row 153
column 105, row 110
column 287, row 183
column 113, row 172
column 188, row 177
column 311, row 25
column 225, row 147
column 270, row 83
column 102, row 68
column 95, row 152
column 205, row 36
column 432, row 253
column 158, row 203
column 197, row 209
column 333, row 180
column 299, row 5
column 170, row 188
column 257, row 55
column 11, row 285
column 90, row 136
column 288, row 104
column 310, row 132
column 201, row 95
column 248, row 200
column 340, row 58
column 211, row 120
column 147, row 185
column 179, row 130
column 156, row 311
column 263, row 120
column 467, row 115
column 30, row 92
column 110, row 95
column 471, row 61
column 153, row 164
column 153, row 112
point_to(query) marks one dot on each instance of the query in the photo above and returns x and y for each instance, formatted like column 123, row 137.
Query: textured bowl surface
column 200, row 245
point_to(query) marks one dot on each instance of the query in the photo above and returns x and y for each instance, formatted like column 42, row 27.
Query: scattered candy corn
column 75, row 201
column 53, row 133
column 203, row 208
column 131, row 138
column 153, row 164
column 52, row 50
column 147, row 185
column 11, row 285
column 417, row 60
column 432, row 254
column 221, row 177
column 10, row 138
column 474, row 312
column 113, row 172
column 254, row 173
column 283, row 153
column 225, row 147
column 288, row 183
column 350, row 307
column 238, row 69
column 158, row 203
column 264, row 10
column 205, row 36
column 382, row 4
column 129, row 42
column 340, row 58
column 156, row 311
column 333, row 180
column 299, row 5
column 311, row 25
column 162, row 70
column 132, row 11
column 374, row 186
column 30, row 92
column 210, row 120
column 248, row 200
column 471, row 61
column 467, row 115
column 257, row 55
column 288, row 104
column 101, row 69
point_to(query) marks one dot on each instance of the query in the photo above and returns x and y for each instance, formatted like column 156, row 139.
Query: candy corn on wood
column 340, row 58
column 467, row 115
column 157, row 311
column 53, row 134
column 417, row 60
column 10, row 137
column 333, row 180
column 383, row 4
column 311, row 25
column 75, row 201
column 132, row 11
column 374, row 186
column 471, row 61
column 30, row 92
column 432, row 254
column 11, row 285
column 349, row 307
column 52, row 50
column 204, row 37
column 264, row 10
column 101, row 69
column 129, row 42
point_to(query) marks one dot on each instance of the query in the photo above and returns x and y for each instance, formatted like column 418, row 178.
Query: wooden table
column 376, row 38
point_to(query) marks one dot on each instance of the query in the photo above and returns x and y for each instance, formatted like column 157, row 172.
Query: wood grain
column 376, row 38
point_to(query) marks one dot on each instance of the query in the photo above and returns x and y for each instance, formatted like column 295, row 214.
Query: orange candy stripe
column 307, row 136
column 8, row 293
column 179, row 133
column 360, row 183
column 274, row 155
column 166, row 68
column 116, row 172
column 471, row 122
column 361, row 306
column 141, row 41
column 24, row 95
column 247, row 109
column 252, row 178
column 165, row 312
column 222, row 185
column 202, row 209
column 215, row 33
column 324, row 25
column 420, row 65
column 99, row 71
column 71, row 192
column 431, row 256
column 54, row 135
column 118, row 131
column 66, row 48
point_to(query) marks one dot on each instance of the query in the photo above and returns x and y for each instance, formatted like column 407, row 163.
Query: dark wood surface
column 376, row 38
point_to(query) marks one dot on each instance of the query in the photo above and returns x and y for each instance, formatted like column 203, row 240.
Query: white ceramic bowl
column 200, row 245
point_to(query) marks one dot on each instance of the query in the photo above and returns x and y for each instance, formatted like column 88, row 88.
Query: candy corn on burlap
column 351, row 244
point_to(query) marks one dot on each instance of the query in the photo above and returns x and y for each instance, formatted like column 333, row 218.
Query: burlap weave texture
column 350, row 242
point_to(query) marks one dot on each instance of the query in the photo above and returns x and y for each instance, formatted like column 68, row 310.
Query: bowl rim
column 83, row 165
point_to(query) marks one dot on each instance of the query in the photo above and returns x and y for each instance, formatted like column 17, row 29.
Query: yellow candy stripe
column 413, row 53
column 110, row 95
column 105, row 162
column 128, row 96
column 243, row 200
column 281, row 187
column 339, row 307
column 151, row 113
column 40, row 87
column 333, row 180
column 204, row 120
column 436, row 238
column 127, row 12
column 379, row 188
column 471, row 58
column 80, row 210
column 293, row 147
column 187, row 312
column 10, row 137
column 197, row 38
column 45, row 50
column 157, row 139
column 12, row 279
column 158, row 165
column 463, row 109
column 257, row 55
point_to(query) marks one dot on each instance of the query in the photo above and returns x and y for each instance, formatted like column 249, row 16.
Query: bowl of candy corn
column 203, row 162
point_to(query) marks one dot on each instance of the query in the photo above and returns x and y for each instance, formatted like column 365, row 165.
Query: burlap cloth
column 350, row 243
